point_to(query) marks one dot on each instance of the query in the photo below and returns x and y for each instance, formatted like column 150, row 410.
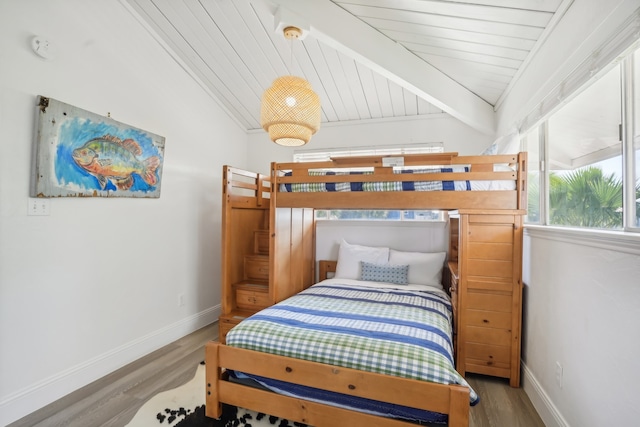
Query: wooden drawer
column 492, row 219
column 490, row 355
column 261, row 242
column 492, row 336
column 495, row 371
column 224, row 327
column 493, row 233
column 503, row 285
column 489, row 301
column 256, row 267
column 454, row 301
column 252, row 297
column 494, row 251
column 488, row 319
column 226, row 323
column 490, row 268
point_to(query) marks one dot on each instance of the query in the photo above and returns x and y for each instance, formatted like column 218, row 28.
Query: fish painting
column 108, row 158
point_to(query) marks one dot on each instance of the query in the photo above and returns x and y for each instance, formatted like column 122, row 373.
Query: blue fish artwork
column 110, row 158
column 83, row 154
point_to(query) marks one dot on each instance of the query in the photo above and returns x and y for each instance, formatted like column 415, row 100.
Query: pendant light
column 290, row 110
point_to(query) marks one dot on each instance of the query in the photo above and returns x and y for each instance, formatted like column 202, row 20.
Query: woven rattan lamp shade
column 290, row 111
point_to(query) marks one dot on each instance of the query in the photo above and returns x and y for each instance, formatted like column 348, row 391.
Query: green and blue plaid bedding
column 380, row 186
column 400, row 332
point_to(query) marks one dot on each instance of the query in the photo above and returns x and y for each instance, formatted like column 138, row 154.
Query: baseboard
column 550, row 415
column 40, row 394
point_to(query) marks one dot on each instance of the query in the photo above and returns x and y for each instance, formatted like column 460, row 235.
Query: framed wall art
column 81, row 154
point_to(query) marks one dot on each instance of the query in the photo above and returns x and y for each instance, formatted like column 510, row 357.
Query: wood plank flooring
column 112, row 401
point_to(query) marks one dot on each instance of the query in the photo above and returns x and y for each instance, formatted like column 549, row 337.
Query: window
column 325, row 155
column 633, row 163
column 584, row 159
column 531, row 143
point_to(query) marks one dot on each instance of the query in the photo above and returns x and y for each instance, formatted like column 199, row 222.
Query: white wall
column 582, row 311
column 95, row 285
column 456, row 136
column 408, row 236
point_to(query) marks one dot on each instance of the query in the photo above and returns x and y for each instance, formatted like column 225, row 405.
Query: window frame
column 627, row 134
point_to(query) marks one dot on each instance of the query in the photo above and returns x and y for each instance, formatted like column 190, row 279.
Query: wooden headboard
column 326, row 267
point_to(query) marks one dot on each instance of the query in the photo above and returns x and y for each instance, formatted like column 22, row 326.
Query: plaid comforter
column 390, row 331
column 381, row 186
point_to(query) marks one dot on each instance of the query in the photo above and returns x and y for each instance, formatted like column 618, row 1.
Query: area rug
column 184, row 407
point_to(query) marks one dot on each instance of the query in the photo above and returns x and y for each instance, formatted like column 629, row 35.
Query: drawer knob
column 485, row 321
column 288, row 369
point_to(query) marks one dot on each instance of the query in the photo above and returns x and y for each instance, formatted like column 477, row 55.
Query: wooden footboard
column 448, row 399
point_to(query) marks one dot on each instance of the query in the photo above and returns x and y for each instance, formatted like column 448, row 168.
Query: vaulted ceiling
column 366, row 59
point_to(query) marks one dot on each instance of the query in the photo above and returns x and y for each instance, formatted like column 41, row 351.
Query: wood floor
column 112, row 401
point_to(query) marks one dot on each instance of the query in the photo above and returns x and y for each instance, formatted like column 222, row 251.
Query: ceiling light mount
column 291, row 33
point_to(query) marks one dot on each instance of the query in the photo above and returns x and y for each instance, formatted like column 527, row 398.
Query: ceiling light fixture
column 290, row 109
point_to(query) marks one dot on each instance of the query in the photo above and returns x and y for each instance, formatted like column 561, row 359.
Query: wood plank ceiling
column 366, row 59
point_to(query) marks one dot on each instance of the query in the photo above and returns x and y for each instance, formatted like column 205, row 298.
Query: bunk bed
column 453, row 182
column 480, row 186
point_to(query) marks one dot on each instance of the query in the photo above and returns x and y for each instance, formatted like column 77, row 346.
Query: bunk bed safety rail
column 246, row 188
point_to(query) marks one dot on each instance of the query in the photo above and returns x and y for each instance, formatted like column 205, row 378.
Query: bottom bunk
column 370, row 353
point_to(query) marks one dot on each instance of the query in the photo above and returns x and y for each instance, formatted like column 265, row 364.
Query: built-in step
column 252, row 296
column 256, row 267
column 261, row 242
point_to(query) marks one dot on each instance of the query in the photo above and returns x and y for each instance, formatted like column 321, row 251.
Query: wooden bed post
column 521, row 183
column 458, row 407
column 213, row 408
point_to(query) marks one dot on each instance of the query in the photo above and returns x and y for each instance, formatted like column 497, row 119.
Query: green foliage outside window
column 586, row 197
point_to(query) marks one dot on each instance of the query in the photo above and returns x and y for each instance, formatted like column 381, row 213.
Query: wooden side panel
column 293, row 256
column 505, row 199
column 308, row 248
column 279, row 252
column 296, row 254
column 454, row 238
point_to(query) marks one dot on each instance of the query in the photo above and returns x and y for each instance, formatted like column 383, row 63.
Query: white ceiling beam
column 337, row 28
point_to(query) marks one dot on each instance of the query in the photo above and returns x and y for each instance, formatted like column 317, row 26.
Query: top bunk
column 443, row 181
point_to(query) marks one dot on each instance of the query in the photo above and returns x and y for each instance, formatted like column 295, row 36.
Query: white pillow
column 349, row 257
column 425, row 268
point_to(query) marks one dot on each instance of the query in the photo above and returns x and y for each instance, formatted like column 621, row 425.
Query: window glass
column 532, row 146
column 585, row 158
column 636, row 138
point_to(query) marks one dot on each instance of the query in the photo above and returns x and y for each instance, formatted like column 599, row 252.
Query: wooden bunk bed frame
column 290, row 264
column 481, row 169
